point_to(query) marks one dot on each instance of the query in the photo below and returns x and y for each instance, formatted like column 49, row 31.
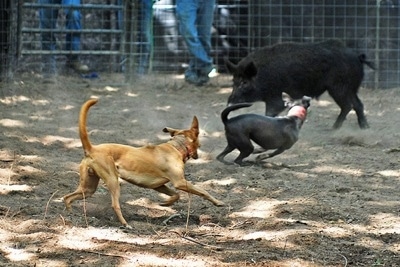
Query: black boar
column 300, row 69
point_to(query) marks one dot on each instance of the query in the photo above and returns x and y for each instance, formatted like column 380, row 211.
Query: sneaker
column 77, row 66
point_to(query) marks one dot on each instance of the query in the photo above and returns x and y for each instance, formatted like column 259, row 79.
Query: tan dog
column 151, row 166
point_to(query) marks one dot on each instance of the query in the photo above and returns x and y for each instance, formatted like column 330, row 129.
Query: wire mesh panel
column 50, row 21
column 229, row 35
column 7, row 15
column 111, row 32
column 369, row 27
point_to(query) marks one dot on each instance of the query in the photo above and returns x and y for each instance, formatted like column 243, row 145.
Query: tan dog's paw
column 219, row 203
column 67, row 205
column 126, row 226
column 170, row 201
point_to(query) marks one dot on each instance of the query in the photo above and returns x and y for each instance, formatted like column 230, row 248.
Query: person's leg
column 48, row 21
column 73, row 40
column 120, row 15
column 145, row 35
column 205, row 16
column 187, row 15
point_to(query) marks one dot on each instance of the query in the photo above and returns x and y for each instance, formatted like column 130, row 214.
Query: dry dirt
column 331, row 200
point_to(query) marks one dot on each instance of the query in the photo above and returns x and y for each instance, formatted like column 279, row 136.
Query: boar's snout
column 243, row 92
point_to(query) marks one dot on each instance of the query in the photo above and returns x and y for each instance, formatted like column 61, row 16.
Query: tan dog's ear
column 195, row 125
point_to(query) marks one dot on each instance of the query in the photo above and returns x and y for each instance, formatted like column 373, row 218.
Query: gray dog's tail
column 228, row 109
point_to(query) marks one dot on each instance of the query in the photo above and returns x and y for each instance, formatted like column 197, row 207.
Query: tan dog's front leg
column 114, row 188
column 105, row 168
column 166, row 190
column 186, row 186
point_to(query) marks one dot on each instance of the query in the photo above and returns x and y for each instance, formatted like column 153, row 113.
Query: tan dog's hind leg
column 168, row 191
column 186, row 186
column 90, row 173
column 88, row 183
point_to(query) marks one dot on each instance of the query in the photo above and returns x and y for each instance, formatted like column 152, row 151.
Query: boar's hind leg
column 346, row 103
column 359, row 109
column 345, row 107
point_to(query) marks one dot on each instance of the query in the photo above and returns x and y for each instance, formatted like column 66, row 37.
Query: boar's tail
column 363, row 59
column 228, row 109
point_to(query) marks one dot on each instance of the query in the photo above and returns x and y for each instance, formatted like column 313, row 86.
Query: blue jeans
column 145, row 34
column 48, row 20
column 195, row 22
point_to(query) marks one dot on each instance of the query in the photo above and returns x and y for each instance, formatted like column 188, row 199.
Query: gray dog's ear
column 171, row 131
column 287, row 99
column 306, row 101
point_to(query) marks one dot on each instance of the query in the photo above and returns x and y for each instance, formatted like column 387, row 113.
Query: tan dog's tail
column 83, row 134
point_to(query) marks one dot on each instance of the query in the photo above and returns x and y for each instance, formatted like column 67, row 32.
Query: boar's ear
column 232, row 68
column 250, row 70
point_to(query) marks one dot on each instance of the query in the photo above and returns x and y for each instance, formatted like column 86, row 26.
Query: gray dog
column 279, row 133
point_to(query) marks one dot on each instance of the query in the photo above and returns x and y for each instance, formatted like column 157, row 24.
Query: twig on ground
column 393, row 150
column 239, row 224
column 6, row 160
column 345, row 260
column 13, row 160
column 15, row 213
column 47, row 205
column 211, row 225
column 197, row 242
column 84, row 209
column 284, row 248
column 62, row 219
column 165, row 222
column 309, row 197
column 188, row 211
column 7, row 209
column 9, row 173
column 107, row 254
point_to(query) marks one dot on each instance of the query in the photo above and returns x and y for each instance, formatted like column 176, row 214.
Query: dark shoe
column 196, row 79
column 203, row 79
column 206, row 71
column 49, row 78
column 77, row 66
column 49, row 81
column 191, row 77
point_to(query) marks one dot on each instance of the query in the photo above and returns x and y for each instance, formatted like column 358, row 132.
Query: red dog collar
column 299, row 112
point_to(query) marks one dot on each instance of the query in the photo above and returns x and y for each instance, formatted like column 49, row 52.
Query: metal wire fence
column 240, row 26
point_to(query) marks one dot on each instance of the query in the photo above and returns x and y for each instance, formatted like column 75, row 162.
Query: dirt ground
column 331, row 200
